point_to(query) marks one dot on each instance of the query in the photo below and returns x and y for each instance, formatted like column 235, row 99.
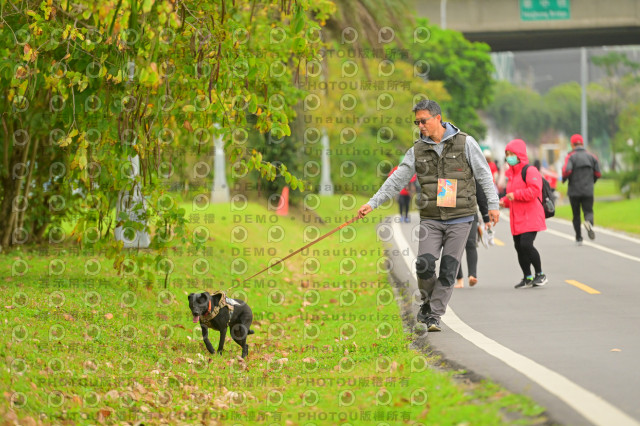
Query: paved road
column 574, row 348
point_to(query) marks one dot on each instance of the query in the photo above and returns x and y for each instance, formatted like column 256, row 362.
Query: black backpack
column 547, row 194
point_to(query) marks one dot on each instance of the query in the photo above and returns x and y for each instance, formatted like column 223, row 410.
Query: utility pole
column 584, row 80
column 443, row 14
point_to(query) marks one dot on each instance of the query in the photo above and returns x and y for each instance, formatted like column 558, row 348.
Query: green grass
column 602, row 188
column 619, row 215
column 329, row 344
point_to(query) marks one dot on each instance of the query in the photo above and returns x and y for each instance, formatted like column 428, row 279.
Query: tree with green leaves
column 627, row 141
column 465, row 68
column 86, row 86
column 519, row 111
column 617, row 91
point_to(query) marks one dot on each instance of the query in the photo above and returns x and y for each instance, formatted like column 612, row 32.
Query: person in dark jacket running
column 582, row 170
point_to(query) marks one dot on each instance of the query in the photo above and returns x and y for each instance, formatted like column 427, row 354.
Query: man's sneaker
column 433, row 324
column 423, row 312
column 525, row 283
column 589, row 227
column 578, row 243
column 539, row 280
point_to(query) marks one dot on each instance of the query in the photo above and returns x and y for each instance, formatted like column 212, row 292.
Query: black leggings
column 472, row 251
column 527, row 253
column 587, row 208
column 403, row 202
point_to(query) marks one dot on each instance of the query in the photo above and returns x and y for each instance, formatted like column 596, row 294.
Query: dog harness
column 224, row 301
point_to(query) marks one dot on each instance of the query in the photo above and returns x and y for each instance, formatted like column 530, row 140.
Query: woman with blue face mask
column 526, row 213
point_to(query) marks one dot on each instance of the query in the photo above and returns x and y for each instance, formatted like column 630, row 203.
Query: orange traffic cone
column 283, row 204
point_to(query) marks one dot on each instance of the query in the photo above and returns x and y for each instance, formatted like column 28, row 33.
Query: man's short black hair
column 428, row 105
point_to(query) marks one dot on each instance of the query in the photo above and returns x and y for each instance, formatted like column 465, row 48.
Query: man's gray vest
column 452, row 164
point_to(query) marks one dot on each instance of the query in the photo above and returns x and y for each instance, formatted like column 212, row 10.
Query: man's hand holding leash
column 364, row 210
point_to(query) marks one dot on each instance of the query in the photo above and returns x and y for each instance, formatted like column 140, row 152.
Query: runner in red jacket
column 525, row 212
column 404, row 198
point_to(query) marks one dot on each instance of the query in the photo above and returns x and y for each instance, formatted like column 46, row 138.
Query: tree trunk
column 12, row 190
column 28, row 185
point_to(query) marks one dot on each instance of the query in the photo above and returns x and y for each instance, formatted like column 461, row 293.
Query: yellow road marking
column 582, row 287
column 498, row 242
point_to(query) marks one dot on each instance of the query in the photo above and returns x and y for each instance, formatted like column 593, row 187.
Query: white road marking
column 589, row 243
column 598, row 230
column 594, row 245
column 588, row 404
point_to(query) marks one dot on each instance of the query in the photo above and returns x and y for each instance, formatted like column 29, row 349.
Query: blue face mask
column 512, row 160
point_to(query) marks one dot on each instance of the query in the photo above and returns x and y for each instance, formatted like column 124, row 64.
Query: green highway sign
column 544, row 10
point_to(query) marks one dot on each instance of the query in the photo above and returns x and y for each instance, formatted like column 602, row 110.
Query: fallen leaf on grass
column 11, row 417
column 108, row 316
column 113, row 394
column 238, row 364
column 103, row 414
column 28, row 421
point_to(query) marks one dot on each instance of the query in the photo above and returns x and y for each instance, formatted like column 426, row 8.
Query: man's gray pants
column 436, row 237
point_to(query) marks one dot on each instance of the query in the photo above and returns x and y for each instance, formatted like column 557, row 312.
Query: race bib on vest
column 447, row 189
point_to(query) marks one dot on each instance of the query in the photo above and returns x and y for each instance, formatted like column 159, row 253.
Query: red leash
column 349, row 222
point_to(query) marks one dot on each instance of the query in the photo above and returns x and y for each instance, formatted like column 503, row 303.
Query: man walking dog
column 448, row 162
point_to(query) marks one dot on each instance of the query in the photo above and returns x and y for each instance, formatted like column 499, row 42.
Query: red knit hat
column 576, row 139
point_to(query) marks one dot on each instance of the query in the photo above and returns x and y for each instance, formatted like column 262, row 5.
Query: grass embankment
column 618, row 215
column 329, row 344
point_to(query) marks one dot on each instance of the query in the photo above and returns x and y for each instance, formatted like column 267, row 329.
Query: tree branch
column 115, row 15
column 5, row 160
column 73, row 95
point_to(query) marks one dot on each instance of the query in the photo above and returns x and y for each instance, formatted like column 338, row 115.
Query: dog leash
column 349, row 222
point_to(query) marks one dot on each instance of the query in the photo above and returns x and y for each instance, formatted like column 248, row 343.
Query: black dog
column 219, row 312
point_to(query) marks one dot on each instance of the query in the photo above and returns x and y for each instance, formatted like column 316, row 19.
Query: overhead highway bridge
column 520, row 25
